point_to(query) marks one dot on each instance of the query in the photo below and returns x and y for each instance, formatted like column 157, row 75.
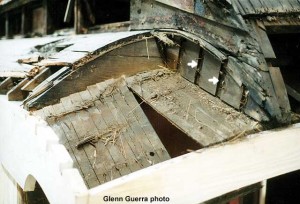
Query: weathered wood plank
column 265, row 43
column 189, row 58
column 6, row 85
column 90, row 178
column 280, row 92
column 119, row 160
column 104, row 161
column 32, row 84
column 201, row 116
column 253, row 110
column 145, row 124
column 231, row 92
column 144, row 48
column 60, row 132
column 139, row 134
column 210, row 71
column 16, row 93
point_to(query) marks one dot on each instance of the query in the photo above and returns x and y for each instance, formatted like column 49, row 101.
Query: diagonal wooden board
column 204, row 118
column 108, row 105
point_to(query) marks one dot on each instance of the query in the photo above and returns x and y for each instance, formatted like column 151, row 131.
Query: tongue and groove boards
column 121, row 138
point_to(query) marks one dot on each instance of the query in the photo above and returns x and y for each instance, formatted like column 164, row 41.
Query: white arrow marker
column 192, row 64
column 214, row 80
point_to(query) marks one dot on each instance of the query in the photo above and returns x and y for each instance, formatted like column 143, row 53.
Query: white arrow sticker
column 192, row 64
column 213, row 80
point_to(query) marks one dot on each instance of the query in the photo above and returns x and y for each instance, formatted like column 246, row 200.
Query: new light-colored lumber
column 208, row 173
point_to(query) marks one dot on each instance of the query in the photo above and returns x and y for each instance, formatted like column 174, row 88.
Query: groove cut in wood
column 39, row 78
column 6, row 85
column 16, row 93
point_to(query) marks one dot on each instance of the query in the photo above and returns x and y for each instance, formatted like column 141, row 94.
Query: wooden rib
column 16, row 94
column 37, row 80
column 6, row 85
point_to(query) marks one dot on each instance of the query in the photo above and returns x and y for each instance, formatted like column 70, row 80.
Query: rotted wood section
column 105, row 131
column 204, row 118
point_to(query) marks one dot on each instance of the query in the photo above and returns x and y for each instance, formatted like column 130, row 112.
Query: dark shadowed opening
column 37, row 196
column 175, row 141
column 287, row 48
column 284, row 189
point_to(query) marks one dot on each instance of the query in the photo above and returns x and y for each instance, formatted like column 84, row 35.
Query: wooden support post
column 23, row 21
column 78, row 17
column 263, row 192
column 44, row 74
column 45, row 7
column 7, row 30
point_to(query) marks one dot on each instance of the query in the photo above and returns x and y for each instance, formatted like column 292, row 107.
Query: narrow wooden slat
column 231, row 92
column 6, row 85
column 61, row 133
column 110, row 122
column 144, row 48
column 139, row 134
column 253, row 110
column 90, row 178
column 187, row 5
column 210, row 70
column 257, row 6
column 189, row 59
column 104, row 162
column 70, row 134
column 145, row 124
column 265, row 44
column 280, row 91
column 247, row 7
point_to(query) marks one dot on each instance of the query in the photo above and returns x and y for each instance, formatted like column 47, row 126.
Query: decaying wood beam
column 44, row 74
column 78, row 18
column 16, row 93
column 6, row 85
